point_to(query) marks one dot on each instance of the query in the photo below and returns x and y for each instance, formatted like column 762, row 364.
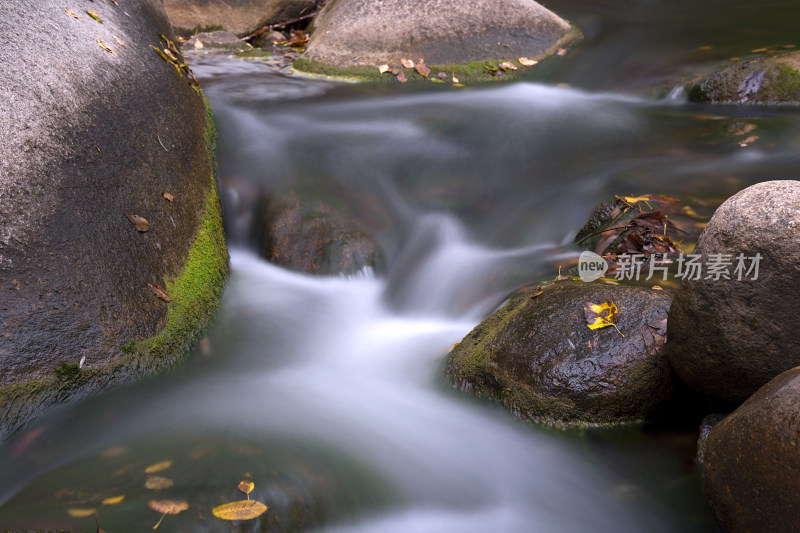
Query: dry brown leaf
column 407, row 63
column 524, row 61
column 118, row 41
column 401, row 77
column 167, row 507
column 158, row 483
column 167, row 196
column 71, row 13
column 114, row 2
column 750, row 140
column 140, row 223
column 422, row 69
column 161, row 293
column 505, row 65
column 383, row 69
column 104, row 46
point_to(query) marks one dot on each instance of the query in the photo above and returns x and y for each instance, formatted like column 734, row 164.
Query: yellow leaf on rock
column 241, row 510
column 104, row 46
column 113, row 501
column 81, row 513
column 527, row 62
column 602, row 315
column 71, row 13
column 157, row 467
column 634, row 199
column 94, row 15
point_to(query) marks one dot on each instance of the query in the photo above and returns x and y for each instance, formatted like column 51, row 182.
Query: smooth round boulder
column 241, row 17
column 349, row 33
column 307, row 235
column 539, row 358
column 751, row 462
column 728, row 337
column 764, row 81
column 112, row 253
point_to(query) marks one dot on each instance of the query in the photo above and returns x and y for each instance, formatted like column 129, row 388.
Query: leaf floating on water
column 161, row 293
column 602, row 315
column 158, row 483
column 167, row 196
column 407, row 63
column 157, row 467
column 71, row 13
column 94, row 15
column 247, row 487
column 524, row 61
column 383, row 69
column 113, row 501
column 104, row 46
column 422, row 68
column 401, row 77
column 81, row 513
column 241, row 510
column 118, row 41
column 167, row 507
column 505, row 65
column 140, row 223
column 750, row 140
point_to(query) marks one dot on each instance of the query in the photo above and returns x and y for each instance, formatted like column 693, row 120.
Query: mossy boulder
column 96, row 136
column 730, row 334
column 241, row 17
column 349, row 34
column 537, row 356
column 309, row 235
column 769, row 81
column 751, row 462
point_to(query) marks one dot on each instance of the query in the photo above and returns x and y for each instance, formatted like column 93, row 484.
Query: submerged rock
column 100, row 131
column 538, row 357
column 751, row 462
column 241, row 17
column 309, row 236
column 352, row 33
column 729, row 337
column 772, row 80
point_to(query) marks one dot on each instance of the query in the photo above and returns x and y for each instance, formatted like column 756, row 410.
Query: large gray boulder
column 767, row 80
column 729, row 337
column 241, row 17
column 348, row 33
column 89, row 137
column 537, row 356
column 750, row 462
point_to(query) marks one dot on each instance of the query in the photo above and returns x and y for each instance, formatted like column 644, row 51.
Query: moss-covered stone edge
column 195, row 292
column 474, row 72
column 470, row 368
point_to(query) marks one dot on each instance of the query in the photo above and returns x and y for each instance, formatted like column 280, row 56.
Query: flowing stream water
column 328, row 392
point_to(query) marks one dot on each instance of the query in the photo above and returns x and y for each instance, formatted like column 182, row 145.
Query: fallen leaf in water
column 422, row 68
column 140, row 223
column 104, row 46
column 94, row 15
column 743, row 129
column 383, row 69
column 167, row 196
column 161, row 293
column 247, row 487
column 71, row 13
column 113, row 501
column 788, row 46
column 198, row 44
column 527, row 62
column 407, row 63
column 602, row 315
column 158, row 483
column 750, row 140
column 241, row 510
column 118, row 41
column 81, row 513
column 401, row 77
column 167, row 507
column 758, row 50
column 634, row 199
column 505, row 65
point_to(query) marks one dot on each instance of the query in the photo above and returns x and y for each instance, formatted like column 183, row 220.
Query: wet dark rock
column 772, row 80
column 241, row 17
column 751, row 462
column 728, row 337
column 224, row 40
column 308, row 235
column 706, row 426
column 349, row 33
column 93, row 136
column 537, row 356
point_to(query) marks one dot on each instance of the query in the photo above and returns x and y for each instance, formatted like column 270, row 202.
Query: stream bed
column 328, row 392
